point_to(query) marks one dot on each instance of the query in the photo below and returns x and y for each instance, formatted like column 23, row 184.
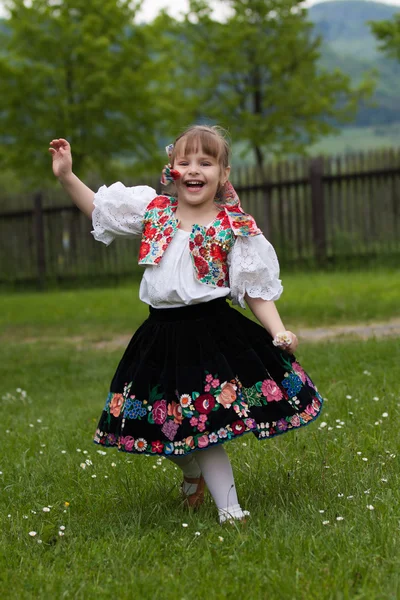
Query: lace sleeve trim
column 119, row 210
column 254, row 270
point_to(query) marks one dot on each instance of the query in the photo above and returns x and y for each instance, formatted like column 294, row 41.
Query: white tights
column 216, row 468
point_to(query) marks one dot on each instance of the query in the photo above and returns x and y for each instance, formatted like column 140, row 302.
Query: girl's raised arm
column 79, row 193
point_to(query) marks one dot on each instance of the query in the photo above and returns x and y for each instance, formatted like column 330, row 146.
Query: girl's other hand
column 60, row 151
column 293, row 345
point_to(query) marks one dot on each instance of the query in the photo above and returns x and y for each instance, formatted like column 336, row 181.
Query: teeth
column 194, row 183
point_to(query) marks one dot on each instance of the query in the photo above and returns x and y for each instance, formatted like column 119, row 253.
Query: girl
column 196, row 373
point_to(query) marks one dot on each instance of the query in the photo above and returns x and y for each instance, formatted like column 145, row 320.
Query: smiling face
column 200, row 179
column 201, row 160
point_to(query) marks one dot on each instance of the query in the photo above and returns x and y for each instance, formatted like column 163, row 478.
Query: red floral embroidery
column 149, row 231
column 144, row 250
column 242, row 223
column 198, row 239
column 217, row 252
column 159, row 202
column 201, row 265
column 157, row 447
column 238, row 427
column 204, row 404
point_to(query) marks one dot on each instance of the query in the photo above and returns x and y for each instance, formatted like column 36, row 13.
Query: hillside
column 349, row 45
column 344, row 25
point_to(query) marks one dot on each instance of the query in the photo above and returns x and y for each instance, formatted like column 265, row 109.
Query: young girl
column 196, row 373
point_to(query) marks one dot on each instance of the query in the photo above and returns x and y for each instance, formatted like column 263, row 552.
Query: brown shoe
column 197, row 498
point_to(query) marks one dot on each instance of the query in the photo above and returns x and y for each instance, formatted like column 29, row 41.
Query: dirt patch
column 361, row 331
column 319, row 334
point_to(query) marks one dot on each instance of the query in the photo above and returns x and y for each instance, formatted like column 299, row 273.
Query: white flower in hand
column 286, row 340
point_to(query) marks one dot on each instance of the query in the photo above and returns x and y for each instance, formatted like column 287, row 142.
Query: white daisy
column 140, row 444
column 185, row 400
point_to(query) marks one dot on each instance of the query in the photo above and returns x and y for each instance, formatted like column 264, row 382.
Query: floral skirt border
column 171, row 448
column 196, row 409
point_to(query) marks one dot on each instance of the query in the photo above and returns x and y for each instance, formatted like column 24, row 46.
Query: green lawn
column 309, row 300
column 124, row 535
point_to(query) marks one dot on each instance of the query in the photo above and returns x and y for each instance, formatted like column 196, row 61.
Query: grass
column 124, row 534
column 313, row 299
column 123, row 528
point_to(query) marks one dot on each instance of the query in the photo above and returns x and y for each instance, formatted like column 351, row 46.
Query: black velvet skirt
column 200, row 375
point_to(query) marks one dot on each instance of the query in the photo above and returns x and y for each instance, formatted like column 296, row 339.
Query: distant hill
column 344, row 25
column 349, row 45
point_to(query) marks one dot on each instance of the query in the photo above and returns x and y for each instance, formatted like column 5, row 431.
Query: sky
column 151, row 7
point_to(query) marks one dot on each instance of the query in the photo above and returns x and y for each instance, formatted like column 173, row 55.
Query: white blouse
column 252, row 262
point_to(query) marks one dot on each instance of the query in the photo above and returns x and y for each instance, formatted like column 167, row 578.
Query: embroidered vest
column 209, row 245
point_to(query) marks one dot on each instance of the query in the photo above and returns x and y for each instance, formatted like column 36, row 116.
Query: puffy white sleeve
column 253, row 270
column 119, row 210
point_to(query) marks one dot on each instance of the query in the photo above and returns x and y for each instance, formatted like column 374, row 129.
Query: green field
column 359, row 139
column 324, row 501
column 315, row 299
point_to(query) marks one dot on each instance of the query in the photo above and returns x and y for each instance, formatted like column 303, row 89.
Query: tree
column 388, row 33
column 80, row 69
column 258, row 75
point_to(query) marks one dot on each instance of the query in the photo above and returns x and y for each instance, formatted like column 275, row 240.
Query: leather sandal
column 197, row 498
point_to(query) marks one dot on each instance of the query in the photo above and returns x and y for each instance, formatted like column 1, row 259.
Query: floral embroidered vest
column 209, row 245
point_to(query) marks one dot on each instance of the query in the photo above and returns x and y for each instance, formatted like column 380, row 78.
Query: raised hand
column 60, row 151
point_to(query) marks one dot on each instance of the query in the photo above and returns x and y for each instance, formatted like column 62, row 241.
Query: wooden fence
column 313, row 211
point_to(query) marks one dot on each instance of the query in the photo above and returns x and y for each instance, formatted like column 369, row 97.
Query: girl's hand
column 295, row 342
column 60, row 151
column 286, row 340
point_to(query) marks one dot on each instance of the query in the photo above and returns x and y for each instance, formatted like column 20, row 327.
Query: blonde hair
column 212, row 140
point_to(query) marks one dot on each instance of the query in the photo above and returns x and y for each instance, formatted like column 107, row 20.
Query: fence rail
column 313, row 211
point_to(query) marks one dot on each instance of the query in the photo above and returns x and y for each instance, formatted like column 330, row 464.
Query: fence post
column 318, row 209
column 40, row 240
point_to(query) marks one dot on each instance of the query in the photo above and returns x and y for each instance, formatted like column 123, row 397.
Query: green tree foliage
column 258, row 75
column 388, row 33
column 80, row 69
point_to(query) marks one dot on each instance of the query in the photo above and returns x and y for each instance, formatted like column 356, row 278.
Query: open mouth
column 194, row 185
